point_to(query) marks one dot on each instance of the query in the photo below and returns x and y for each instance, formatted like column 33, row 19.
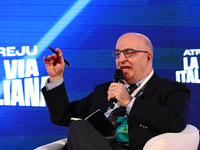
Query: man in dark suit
column 156, row 106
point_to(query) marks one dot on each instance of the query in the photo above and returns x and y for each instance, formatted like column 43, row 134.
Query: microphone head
column 118, row 76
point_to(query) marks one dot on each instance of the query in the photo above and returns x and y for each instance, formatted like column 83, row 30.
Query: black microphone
column 117, row 78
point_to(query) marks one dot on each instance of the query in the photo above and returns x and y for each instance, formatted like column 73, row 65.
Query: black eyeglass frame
column 123, row 51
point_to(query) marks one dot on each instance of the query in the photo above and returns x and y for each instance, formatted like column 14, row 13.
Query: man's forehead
column 127, row 43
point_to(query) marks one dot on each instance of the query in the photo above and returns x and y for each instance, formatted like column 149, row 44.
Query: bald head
column 136, row 41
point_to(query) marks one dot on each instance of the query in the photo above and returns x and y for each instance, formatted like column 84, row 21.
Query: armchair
column 188, row 139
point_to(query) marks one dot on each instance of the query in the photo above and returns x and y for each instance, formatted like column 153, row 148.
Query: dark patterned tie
column 116, row 113
column 131, row 88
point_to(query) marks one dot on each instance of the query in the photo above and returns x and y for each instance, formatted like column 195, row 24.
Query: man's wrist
column 128, row 108
column 128, row 101
column 54, row 79
column 54, row 84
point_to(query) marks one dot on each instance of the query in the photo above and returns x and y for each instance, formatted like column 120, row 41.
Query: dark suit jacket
column 163, row 107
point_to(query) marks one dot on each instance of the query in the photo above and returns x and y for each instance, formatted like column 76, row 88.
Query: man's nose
column 122, row 57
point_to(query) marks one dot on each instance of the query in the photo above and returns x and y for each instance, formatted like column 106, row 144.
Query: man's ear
column 149, row 58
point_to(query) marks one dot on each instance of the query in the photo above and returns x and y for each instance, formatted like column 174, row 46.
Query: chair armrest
column 57, row 145
column 188, row 139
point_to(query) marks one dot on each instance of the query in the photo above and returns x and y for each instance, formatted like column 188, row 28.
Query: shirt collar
column 139, row 82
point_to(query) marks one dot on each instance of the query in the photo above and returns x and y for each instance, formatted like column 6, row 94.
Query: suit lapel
column 152, row 84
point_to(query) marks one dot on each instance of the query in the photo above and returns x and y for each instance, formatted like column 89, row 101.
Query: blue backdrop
column 86, row 32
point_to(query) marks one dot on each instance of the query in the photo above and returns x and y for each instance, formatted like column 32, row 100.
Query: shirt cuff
column 128, row 109
column 50, row 86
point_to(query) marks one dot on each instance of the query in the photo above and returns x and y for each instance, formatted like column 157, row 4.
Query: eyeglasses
column 127, row 52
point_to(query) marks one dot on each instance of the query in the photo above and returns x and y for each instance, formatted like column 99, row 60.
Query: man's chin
column 126, row 79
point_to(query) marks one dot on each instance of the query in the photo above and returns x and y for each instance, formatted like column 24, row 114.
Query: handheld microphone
column 117, row 78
